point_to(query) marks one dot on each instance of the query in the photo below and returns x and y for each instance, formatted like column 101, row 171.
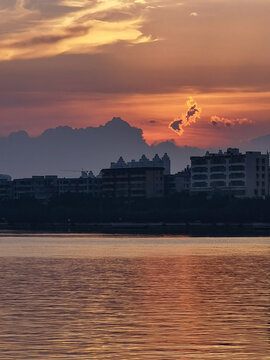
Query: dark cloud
column 107, row 73
column 49, row 8
column 176, row 125
column 192, row 111
column 91, row 148
column 34, row 100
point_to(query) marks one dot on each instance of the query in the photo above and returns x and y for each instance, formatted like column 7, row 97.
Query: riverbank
column 191, row 229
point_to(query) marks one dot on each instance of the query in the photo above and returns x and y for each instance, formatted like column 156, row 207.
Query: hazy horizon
column 59, row 149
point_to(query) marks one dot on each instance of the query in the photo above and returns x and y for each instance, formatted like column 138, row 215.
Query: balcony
column 218, row 184
column 200, row 184
column 200, row 177
column 218, row 169
column 237, row 168
column 218, row 176
column 237, row 175
column 237, row 183
column 199, row 169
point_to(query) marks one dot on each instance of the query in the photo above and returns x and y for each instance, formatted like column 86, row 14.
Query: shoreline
column 181, row 229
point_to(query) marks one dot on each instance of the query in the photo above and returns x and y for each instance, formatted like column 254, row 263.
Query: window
column 218, row 183
column 200, row 161
column 199, row 169
column 199, row 177
column 239, row 192
column 237, row 183
column 237, row 168
column 236, row 175
column 218, row 160
column 218, row 168
column 237, row 159
column 218, row 176
column 200, row 184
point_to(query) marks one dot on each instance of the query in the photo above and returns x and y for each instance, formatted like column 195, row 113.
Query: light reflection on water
column 134, row 298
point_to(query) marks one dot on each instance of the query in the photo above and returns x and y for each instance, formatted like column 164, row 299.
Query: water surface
column 141, row 298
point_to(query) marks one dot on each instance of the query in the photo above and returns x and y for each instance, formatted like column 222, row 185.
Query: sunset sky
column 81, row 62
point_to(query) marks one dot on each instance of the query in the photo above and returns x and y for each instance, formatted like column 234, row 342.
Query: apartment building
column 83, row 185
column 132, row 182
column 46, row 187
column 5, row 187
column 179, row 182
column 242, row 175
column 163, row 162
column 38, row 187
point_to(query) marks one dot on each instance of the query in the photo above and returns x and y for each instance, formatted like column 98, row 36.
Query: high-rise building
column 242, row 175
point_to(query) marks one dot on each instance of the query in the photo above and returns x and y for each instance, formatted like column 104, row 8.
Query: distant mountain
column 92, row 148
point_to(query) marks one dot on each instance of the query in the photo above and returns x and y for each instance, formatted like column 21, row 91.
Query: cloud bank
column 91, row 148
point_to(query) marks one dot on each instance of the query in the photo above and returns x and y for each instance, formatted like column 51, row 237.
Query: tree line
column 179, row 208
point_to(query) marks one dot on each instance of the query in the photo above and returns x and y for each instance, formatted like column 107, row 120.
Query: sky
column 82, row 62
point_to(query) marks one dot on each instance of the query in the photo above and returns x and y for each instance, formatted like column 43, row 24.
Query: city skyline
column 134, row 179
column 79, row 63
column 64, row 148
column 228, row 173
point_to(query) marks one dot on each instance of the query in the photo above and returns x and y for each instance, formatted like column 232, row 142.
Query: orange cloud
column 191, row 116
column 218, row 121
column 81, row 30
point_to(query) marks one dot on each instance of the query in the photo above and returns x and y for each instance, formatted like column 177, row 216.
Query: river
column 133, row 298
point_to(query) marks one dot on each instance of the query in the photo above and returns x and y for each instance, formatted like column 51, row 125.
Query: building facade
column 163, row 162
column 82, row 185
column 45, row 187
column 37, row 187
column 5, row 189
column 178, row 182
column 230, row 172
column 132, row 182
column 242, row 175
